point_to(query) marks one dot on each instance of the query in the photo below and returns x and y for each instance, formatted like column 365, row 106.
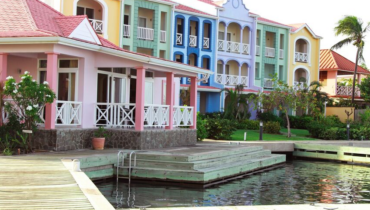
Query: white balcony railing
column 115, row 114
column 97, row 25
column 258, row 50
column 301, row 57
column 347, row 91
column 163, row 36
column 246, row 49
column 206, row 43
column 281, row 54
column 232, row 80
column 233, row 47
column 178, row 39
column 221, row 45
column 299, row 85
column 270, row 52
column 192, row 41
column 183, row 116
column 156, row 115
column 268, row 83
column 145, row 33
column 126, row 31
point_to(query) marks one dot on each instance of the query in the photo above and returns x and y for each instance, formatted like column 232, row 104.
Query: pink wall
column 25, row 64
column 331, row 83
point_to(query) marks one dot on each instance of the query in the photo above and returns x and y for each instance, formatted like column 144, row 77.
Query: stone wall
column 73, row 139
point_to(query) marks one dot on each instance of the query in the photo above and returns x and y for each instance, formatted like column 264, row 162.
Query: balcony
column 299, row 85
column 258, row 50
column 206, row 43
column 145, row 33
column 163, row 37
column 281, row 54
column 270, row 52
column 347, row 91
column 226, row 79
column 126, row 31
column 178, row 39
column 192, row 41
column 268, row 83
column 301, row 57
column 97, row 25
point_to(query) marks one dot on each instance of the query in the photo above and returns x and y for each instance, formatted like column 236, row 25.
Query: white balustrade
column 270, row 52
column 246, row 49
column 244, row 80
column 301, row 57
column 156, row 115
column 68, row 113
column 219, row 78
column 347, row 91
column 299, row 85
column 226, row 79
column 206, row 43
column 233, row 47
column 281, row 54
column 163, row 36
column 221, row 45
column 115, row 114
column 268, row 83
column 258, row 50
column 97, row 25
column 183, row 116
column 145, row 33
column 179, row 39
column 192, row 41
column 126, row 31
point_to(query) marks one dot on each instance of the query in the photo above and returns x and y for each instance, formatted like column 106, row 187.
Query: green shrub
column 365, row 117
column 201, row 127
column 300, row 122
column 270, row 117
column 334, row 134
column 220, row 128
column 272, row 127
column 252, row 124
column 362, row 133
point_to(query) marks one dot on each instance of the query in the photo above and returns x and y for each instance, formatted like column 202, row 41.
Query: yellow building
column 304, row 54
column 105, row 15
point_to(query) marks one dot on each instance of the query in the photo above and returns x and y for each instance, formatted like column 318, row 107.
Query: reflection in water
column 297, row 182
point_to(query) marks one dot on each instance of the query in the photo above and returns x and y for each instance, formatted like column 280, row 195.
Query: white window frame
column 85, row 10
column 112, row 74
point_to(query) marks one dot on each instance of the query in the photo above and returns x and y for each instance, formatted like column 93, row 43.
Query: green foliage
column 201, row 127
column 22, row 141
column 269, row 116
column 328, row 128
column 248, row 125
column 300, row 122
column 7, row 145
column 362, row 133
column 342, row 102
column 101, row 133
column 365, row 118
column 237, row 104
column 365, row 88
column 220, row 129
column 272, row 128
column 334, row 134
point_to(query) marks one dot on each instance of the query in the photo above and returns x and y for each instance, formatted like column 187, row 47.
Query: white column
column 223, row 73
column 241, row 41
column 240, row 74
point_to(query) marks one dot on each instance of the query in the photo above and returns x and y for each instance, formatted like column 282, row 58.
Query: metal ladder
column 121, row 164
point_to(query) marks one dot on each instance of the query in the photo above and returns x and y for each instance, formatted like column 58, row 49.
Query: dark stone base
column 73, row 139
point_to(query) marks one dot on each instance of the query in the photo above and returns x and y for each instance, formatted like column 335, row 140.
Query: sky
column 321, row 15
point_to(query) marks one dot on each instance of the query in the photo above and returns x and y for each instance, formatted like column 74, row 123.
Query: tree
column 363, row 65
column 352, row 27
column 365, row 88
column 28, row 101
column 237, row 107
column 318, row 97
column 185, row 97
column 2, row 96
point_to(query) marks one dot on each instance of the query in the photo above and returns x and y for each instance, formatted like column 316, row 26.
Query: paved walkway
column 46, row 182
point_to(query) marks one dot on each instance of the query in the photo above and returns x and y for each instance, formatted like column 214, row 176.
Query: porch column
column 140, row 99
column 170, row 97
column 223, row 73
column 225, row 38
column 241, row 47
column 51, row 78
column 3, row 66
column 240, row 74
column 193, row 100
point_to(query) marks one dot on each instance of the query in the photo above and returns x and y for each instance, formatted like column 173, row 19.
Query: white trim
column 309, row 51
column 105, row 15
column 308, row 81
column 203, row 89
column 121, row 22
column 85, row 24
column 197, row 14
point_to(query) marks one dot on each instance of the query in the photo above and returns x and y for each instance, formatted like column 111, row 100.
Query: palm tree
column 319, row 96
column 237, row 106
column 353, row 28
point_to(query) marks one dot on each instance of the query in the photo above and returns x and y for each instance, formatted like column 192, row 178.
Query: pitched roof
column 298, row 26
column 333, row 61
column 211, row 3
column 190, row 9
column 262, row 19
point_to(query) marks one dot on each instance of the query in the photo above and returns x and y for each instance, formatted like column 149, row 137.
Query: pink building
column 335, row 68
column 96, row 82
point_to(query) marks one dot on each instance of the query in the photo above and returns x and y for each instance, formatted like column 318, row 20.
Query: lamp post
column 261, row 130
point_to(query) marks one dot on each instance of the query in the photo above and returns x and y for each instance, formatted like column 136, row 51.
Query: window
column 257, row 71
column 281, row 73
column 323, row 76
column 178, row 58
column 220, row 68
column 227, row 69
column 221, row 35
column 142, row 22
column 126, row 20
column 162, row 53
column 43, row 64
column 68, row 63
column 149, row 74
column 85, row 11
column 119, row 70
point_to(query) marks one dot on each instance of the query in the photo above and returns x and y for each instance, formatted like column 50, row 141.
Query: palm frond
column 340, row 44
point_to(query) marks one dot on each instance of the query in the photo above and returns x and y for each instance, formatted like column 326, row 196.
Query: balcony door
column 111, row 88
column 86, row 11
column 142, row 22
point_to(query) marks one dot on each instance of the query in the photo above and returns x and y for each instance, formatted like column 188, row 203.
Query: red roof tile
column 296, row 26
column 211, row 3
column 68, row 24
column 332, row 61
column 271, row 21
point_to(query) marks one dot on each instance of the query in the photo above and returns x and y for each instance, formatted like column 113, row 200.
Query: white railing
column 299, row 85
column 126, row 31
column 192, row 41
column 206, row 43
column 221, row 45
column 156, row 115
column 220, row 78
column 244, row 80
column 268, row 83
column 270, row 52
column 183, row 116
column 145, row 33
column 246, row 49
column 68, row 113
column 301, row 57
column 281, row 54
column 347, row 91
column 179, row 39
column 233, row 47
column 258, row 50
column 97, row 25
column 226, row 79
column 115, row 114
column 163, row 36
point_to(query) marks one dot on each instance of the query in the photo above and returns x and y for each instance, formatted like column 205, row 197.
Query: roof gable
column 84, row 31
column 330, row 60
column 299, row 26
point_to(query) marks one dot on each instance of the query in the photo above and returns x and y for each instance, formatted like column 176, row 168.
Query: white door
column 148, row 92
column 118, row 90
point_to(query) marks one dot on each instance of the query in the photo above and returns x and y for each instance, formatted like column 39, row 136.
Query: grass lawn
column 301, row 135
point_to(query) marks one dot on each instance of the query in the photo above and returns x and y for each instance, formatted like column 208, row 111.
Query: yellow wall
column 315, row 54
column 340, row 112
column 113, row 21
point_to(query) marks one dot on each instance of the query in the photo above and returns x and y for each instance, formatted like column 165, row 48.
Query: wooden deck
column 39, row 182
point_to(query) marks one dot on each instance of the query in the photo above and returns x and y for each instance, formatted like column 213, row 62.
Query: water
column 297, row 182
